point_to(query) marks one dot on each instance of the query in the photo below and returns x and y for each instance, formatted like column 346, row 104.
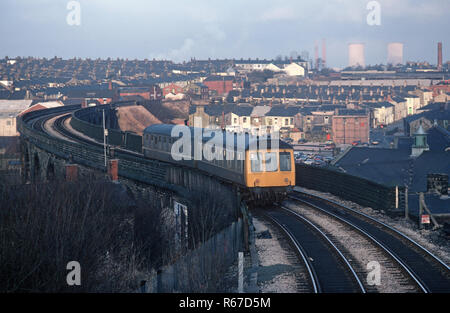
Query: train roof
column 166, row 130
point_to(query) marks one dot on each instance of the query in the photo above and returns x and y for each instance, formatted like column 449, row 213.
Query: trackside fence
column 349, row 187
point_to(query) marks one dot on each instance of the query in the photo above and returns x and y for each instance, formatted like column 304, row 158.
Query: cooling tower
column 356, row 54
column 395, row 53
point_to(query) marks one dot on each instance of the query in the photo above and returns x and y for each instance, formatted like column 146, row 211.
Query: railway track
column 59, row 127
column 328, row 269
column 429, row 273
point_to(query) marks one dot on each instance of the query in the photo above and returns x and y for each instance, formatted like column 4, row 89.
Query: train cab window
column 256, row 162
column 271, row 162
column 285, row 161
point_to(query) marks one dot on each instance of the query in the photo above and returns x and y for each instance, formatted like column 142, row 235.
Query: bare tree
column 45, row 226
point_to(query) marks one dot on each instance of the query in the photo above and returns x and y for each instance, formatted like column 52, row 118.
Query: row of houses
column 314, row 123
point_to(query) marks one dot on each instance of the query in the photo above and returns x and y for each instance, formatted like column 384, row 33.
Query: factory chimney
column 316, row 55
column 439, row 62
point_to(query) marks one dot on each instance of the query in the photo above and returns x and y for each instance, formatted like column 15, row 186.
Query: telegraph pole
column 105, row 133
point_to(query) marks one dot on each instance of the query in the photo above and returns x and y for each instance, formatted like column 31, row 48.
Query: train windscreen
column 256, row 162
column 271, row 162
column 285, row 161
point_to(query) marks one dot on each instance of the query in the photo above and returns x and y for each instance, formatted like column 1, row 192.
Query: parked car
column 375, row 143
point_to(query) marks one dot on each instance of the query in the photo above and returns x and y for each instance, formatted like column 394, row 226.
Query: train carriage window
column 271, row 162
column 239, row 165
column 285, row 161
column 256, row 162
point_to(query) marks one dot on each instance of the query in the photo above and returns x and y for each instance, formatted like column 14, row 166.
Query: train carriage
column 251, row 163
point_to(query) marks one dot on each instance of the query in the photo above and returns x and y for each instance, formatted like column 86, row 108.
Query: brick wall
column 347, row 129
column 220, row 86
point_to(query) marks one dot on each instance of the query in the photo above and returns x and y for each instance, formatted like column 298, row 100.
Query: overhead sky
column 181, row 29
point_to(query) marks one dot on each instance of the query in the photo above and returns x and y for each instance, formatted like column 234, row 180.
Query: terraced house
column 281, row 118
column 238, row 119
column 381, row 113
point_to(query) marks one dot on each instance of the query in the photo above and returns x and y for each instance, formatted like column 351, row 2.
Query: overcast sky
column 181, row 29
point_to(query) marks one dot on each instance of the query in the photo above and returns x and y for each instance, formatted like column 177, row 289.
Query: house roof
column 398, row 99
column 42, row 106
column 218, row 78
column 242, row 110
column 429, row 162
column 350, row 112
column 14, row 106
column 438, row 138
column 98, row 93
column 395, row 166
column 383, row 166
column 201, row 85
column 281, row 110
column 260, row 110
column 379, row 104
column 218, row 109
column 438, row 115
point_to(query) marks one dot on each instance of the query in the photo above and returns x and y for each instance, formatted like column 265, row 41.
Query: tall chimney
column 324, row 54
column 439, row 61
column 316, row 55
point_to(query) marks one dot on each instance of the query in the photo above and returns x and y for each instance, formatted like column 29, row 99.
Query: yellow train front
column 263, row 168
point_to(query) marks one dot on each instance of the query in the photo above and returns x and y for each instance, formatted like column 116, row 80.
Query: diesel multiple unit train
column 261, row 168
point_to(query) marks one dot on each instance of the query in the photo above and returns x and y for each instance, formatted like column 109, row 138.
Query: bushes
column 117, row 239
column 45, row 226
